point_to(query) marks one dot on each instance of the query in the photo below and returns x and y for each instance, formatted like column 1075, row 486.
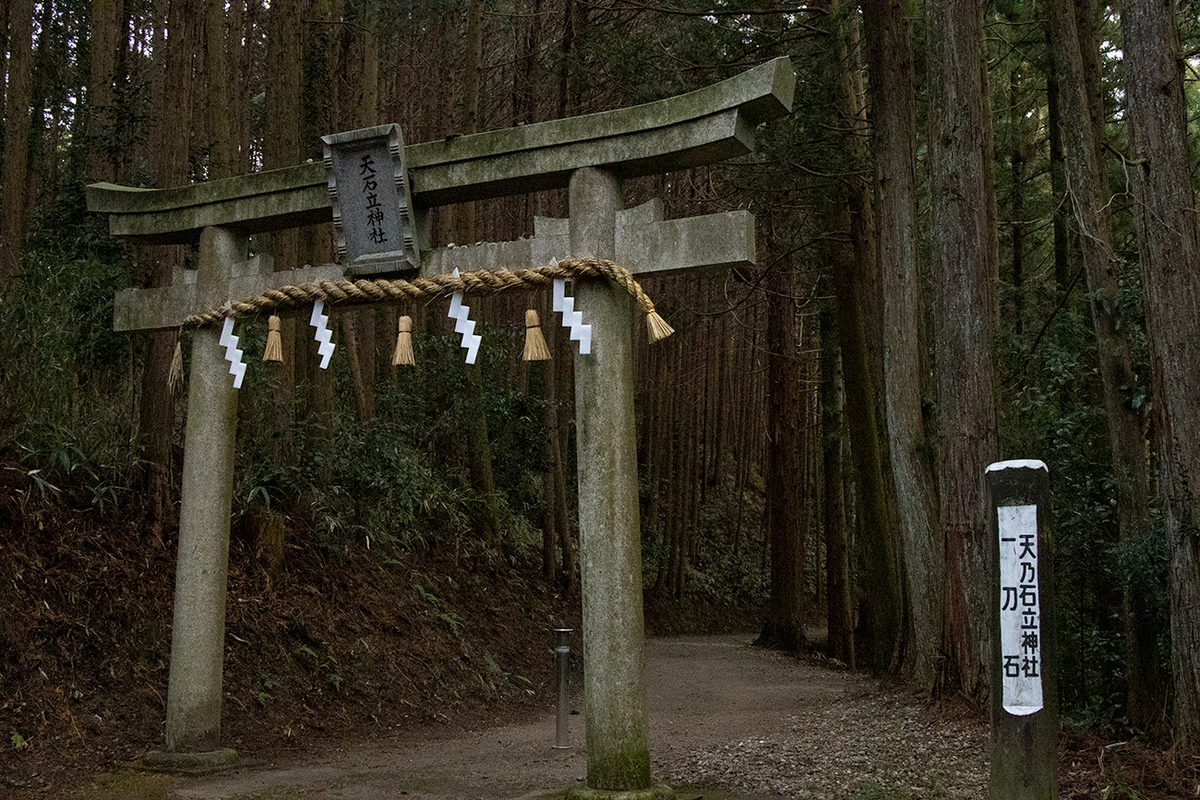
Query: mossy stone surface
column 190, row 763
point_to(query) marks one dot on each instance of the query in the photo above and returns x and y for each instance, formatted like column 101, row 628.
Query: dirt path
column 727, row 721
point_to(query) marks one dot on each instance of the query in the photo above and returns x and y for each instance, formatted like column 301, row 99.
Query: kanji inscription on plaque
column 1020, row 610
column 372, row 201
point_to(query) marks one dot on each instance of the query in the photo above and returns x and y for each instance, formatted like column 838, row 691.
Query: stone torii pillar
column 590, row 156
column 198, row 629
column 609, row 523
column 610, row 542
column 223, row 273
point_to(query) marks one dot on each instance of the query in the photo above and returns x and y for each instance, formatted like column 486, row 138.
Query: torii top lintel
column 701, row 127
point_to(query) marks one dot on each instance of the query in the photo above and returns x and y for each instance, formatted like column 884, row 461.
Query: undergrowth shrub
column 66, row 404
column 728, row 568
column 1055, row 413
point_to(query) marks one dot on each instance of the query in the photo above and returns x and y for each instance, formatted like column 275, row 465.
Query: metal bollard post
column 562, row 656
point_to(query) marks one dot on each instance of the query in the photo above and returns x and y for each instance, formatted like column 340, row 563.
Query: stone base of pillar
column 656, row 792
column 189, row 763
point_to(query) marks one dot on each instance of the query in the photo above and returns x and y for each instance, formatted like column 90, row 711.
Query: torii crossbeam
column 589, row 155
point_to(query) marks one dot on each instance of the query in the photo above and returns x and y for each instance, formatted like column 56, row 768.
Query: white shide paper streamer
column 237, row 367
column 324, row 335
column 464, row 325
column 570, row 317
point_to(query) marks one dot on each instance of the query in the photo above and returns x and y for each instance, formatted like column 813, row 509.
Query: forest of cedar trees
column 976, row 241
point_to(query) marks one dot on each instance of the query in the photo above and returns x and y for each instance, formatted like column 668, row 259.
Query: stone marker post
column 198, row 633
column 1024, row 634
column 609, row 526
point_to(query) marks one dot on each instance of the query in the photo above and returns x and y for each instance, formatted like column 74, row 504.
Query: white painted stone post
column 618, row 754
column 198, row 634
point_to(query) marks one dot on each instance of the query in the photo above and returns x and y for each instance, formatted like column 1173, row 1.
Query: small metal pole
column 562, row 656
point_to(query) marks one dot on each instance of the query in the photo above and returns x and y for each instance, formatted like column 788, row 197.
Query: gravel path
column 728, row 721
column 766, row 725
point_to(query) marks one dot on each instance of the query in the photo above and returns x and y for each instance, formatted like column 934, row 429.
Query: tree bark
column 281, row 148
column 362, row 360
column 839, row 608
column 784, row 628
column 16, row 138
column 238, row 57
column 105, row 29
column 1058, row 184
column 318, row 110
column 172, row 143
column 42, row 157
column 222, row 144
column 475, row 422
column 881, row 613
column 1131, row 476
column 1017, row 157
column 468, row 110
column 1169, row 249
column 856, row 288
column 890, row 58
column 5, row 12
column 964, row 266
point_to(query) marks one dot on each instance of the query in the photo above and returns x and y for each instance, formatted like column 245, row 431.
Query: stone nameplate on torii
column 589, row 156
column 372, row 201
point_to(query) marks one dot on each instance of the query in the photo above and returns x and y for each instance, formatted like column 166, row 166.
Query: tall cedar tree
column 101, row 117
column 784, row 627
column 964, row 257
column 1169, row 249
column 890, row 58
column 281, row 148
column 1131, row 475
column 172, row 148
column 855, row 288
column 318, row 99
column 1058, row 182
column 222, row 146
column 16, row 138
column 880, row 609
column 475, row 422
column 839, row 590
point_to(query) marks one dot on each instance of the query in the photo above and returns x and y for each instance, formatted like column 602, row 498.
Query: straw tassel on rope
column 535, row 342
column 403, row 356
column 274, row 350
column 175, row 376
column 656, row 326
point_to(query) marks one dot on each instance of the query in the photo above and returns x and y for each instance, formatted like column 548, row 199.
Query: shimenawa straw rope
column 478, row 282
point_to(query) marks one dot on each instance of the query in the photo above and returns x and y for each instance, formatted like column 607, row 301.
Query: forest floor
column 727, row 721
column 373, row 673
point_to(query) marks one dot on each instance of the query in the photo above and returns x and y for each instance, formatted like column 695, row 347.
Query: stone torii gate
column 589, row 155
